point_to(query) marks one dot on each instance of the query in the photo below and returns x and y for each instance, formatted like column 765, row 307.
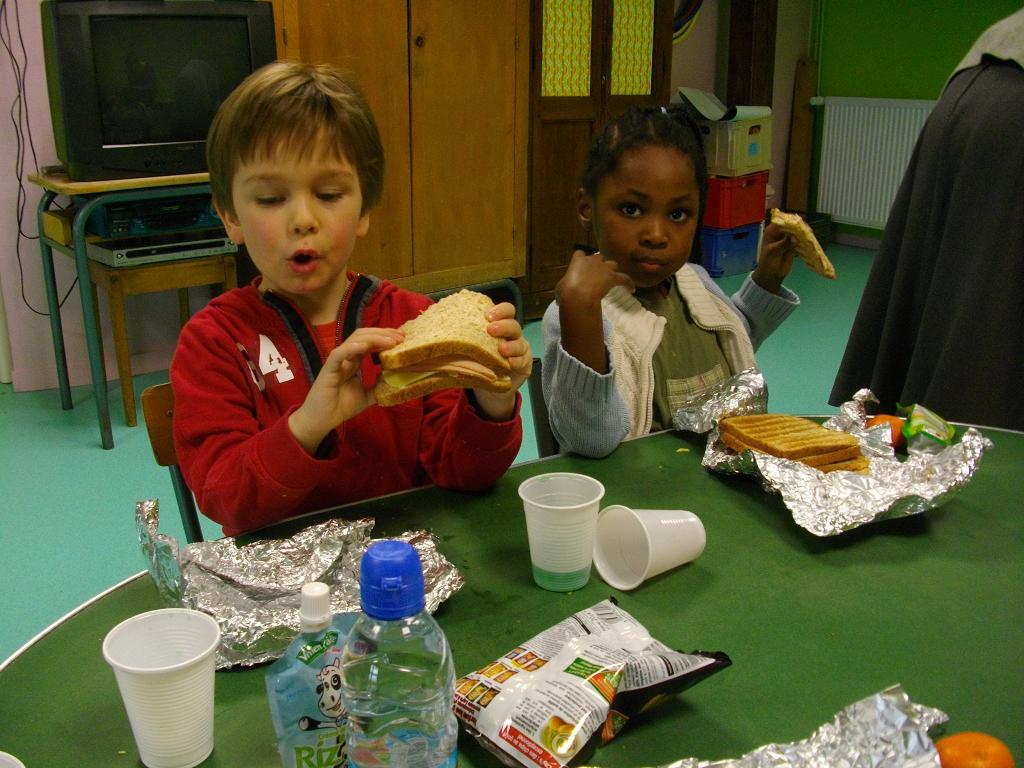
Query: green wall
column 903, row 49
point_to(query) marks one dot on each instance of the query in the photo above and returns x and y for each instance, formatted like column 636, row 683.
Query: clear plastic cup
column 164, row 664
column 632, row 545
column 561, row 518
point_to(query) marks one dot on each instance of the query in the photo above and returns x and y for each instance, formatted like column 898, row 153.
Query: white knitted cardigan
column 636, row 333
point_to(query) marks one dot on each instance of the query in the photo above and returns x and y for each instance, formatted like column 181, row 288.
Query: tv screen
column 133, row 85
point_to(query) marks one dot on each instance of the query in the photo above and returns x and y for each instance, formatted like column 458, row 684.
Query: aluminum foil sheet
column 254, row 590
column 887, row 729
column 831, row 503
column 742, row 393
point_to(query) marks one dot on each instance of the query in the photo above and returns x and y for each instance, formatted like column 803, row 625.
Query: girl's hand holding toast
column 338, row 394
column 775, row 260
column 502, row 324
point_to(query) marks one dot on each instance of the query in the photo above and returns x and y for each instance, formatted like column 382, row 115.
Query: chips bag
column 554, row 698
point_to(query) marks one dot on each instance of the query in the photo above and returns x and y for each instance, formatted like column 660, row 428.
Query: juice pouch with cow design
column 303, row 686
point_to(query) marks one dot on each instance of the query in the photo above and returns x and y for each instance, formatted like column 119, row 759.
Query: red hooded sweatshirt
column 247, row 360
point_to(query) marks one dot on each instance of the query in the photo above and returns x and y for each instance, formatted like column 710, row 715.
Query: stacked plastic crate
column 738, row 156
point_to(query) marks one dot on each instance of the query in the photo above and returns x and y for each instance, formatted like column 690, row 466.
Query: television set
column 133, row 84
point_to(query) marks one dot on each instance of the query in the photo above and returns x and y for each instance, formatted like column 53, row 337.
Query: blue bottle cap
column 391, row 580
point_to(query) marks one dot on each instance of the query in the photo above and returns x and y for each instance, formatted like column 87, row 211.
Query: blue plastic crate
column 730, row 251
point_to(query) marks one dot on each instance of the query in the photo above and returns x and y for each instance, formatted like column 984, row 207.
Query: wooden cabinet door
column 467, row 97
column 591, row 60
column 370, row 40
column 448, row 81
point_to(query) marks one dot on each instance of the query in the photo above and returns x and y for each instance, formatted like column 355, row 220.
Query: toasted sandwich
column 795, row 438
column 446, row 346
column 807, row 246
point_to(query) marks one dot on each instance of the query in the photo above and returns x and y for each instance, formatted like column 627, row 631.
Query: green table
column 931, row 601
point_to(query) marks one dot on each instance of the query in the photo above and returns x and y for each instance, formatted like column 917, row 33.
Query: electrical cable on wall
column 685, row 19
column 14, row 44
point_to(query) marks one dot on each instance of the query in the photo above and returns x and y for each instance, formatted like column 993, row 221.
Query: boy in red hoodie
column 274, row 413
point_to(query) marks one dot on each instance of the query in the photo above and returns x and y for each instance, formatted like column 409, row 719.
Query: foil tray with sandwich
column 833, row 478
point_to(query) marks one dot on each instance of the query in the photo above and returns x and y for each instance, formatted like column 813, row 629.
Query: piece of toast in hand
column 807, row 246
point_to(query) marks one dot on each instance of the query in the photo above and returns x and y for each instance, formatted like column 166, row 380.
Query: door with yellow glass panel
column 591, row 59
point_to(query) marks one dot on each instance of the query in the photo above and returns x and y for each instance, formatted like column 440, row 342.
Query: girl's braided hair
column 640, row 127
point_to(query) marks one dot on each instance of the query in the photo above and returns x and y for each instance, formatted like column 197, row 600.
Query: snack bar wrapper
column 556, row 696
column 254, row 590
column 925, row 431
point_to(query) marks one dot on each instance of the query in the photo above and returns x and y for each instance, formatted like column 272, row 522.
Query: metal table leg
column 53, row 304
column 92, row 332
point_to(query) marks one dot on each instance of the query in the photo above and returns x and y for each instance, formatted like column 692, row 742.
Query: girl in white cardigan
column 635, row 328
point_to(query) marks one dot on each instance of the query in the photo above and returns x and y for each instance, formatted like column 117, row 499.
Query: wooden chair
column 157, row 411
column 547, row 445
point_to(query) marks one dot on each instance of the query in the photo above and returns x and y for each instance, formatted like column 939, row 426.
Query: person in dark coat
column 941, row 321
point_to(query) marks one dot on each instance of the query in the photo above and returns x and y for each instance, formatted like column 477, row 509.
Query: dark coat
column 941, row 321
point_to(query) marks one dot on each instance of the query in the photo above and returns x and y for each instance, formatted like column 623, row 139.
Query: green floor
column 67, row 521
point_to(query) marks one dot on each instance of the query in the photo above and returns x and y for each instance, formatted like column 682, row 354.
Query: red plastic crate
column 736, row 201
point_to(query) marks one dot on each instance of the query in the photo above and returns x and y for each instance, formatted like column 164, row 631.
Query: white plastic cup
column 561, row 520
column 632, row 545
column 164, row 664
column 8, row 760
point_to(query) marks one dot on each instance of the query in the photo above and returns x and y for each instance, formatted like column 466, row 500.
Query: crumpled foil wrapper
column 887, row 729
column 745, row 392
column 254, row 590
column 830, row 503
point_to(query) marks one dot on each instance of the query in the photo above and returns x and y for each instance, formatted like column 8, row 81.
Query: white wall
column 694, row 59
column 701, row 61
column 791, row 42
column 27, row 331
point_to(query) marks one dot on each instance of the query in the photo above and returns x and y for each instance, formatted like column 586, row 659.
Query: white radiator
column 866, row 145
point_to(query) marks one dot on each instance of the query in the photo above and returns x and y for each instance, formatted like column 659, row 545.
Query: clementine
column 973, row 749
column 895, row 425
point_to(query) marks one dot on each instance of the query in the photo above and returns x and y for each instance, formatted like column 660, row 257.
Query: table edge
column 78, row 609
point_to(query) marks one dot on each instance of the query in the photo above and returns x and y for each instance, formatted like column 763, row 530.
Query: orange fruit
column 973, row 749
column 895, row 425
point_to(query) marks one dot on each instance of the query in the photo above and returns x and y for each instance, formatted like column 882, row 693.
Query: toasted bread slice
column 814, row 460
column 860, row 464
column 807, row 245
column 795, row 438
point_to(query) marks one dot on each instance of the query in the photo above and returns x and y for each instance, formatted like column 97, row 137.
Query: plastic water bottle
column 397, row 680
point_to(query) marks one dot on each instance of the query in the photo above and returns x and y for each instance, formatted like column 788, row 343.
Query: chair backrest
column 505, row 289
column 158, row 412
column 547, row 445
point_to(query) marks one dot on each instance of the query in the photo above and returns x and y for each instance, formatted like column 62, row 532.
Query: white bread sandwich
column 807, row 246
column 446, row 346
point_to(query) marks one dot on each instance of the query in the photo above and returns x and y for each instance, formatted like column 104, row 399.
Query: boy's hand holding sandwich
column 464, row 340
column 516, row 349
column 337, row 393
